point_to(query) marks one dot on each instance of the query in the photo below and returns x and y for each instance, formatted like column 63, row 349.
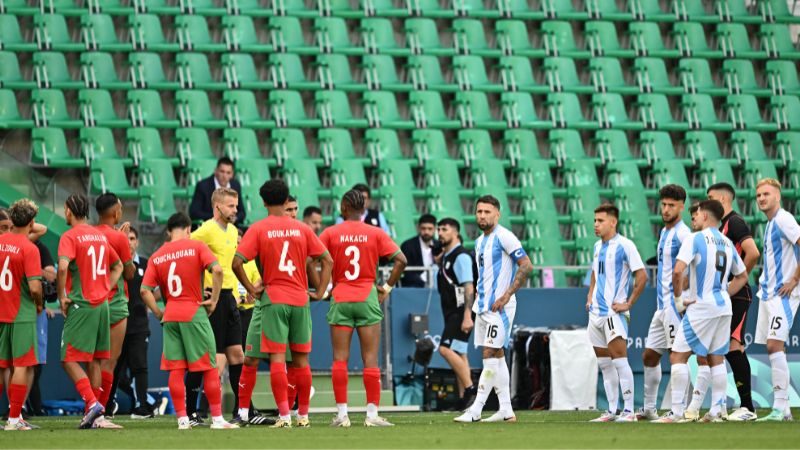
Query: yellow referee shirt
column 251, row 270
column 223, row 244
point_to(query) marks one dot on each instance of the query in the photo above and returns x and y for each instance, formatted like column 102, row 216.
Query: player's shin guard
column 740, row 366
column 680, row 380
column 291, row 386
column 610, row 382
column 177, row 390
column 213, row 391
column 700, row 387
column 279, row 383
column 303, row 380
column 84, row 388
column 652, row 378
column 247, row 382
column 16, row 398
column 372, row 385
column 719, row 384
column 339, row 378
column 485, row 385
column 625, row 382
column 780, row 379
column 107, row 379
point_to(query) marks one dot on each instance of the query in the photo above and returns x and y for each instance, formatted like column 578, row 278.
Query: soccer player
column 705, row 327
column 20, row 303
column 666, row 320
column 109, row 211
column 608, row 304
column 503, row 268
column 291, row 207
column 285, row 316
column 87, row 268
column 736, row 229
column 777, row 291
column 356, row 249
column 177, row 270
column 221, row 236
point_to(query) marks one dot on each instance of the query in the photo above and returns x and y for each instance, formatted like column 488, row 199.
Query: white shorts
column 663, row 329
column 703, row 336
column 604, row 329
column 493, row 329
column 775, row 318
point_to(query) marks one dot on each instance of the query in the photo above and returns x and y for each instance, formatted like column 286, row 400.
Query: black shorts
column 225, row 322
column 135, row 350
column 246, row 316
column 739, row 306
column 452, row 336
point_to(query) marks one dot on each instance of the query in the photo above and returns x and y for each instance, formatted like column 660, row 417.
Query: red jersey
column 90, row 257
column 119, row 242
column 356, row 248
column 19, row 262
column 177, row 268
column 282, row 245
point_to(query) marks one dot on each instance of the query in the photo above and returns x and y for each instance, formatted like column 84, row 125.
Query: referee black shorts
column 452, row 336
column 739, row 307
column 225, row 322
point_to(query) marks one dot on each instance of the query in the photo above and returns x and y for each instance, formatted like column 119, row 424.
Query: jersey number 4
column 286, row 264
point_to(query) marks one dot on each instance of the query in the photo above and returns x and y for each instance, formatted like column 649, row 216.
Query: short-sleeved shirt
column 251, row 271
column 119, row 242
column 736, row 229
column 669, row 243
column 282, row 246
column 177, row 268
column 614, row 262
column 356, row 249
column 711, row 258
column 496, row 254
column 90, row 258
column 19, row 262
column 780, row 254
column 223, row 244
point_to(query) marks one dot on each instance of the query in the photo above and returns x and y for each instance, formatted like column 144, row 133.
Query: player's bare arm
column 210, row 304
column 37, row 232
column 313, row 274
column 640, row 280
column 116, row 272
column 589, row 295
column 325, row 275
column 400, row 263
column 238, row 269
column 61, row 284
column 524, row 269
column 678, row 277
column 751, row 254
column 35, row 289
column 128, row 271
column 150, row 301
column 469, row 298
column 737, row 283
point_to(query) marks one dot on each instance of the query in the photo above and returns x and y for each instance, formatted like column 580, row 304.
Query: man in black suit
column 420, row 251
column 201, row 209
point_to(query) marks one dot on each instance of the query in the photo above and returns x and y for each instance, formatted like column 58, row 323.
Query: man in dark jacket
column 201, row 208
column 420, row 251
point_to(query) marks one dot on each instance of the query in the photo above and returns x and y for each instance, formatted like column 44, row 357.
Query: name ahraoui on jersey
column 278, row 234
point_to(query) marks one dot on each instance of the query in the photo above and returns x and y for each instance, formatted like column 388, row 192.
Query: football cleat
column 626, row 416
column 467, row 417
column 303, row 422
column 19, row 426
column 742, row 415
column 501, row 416
column 646, row 414
column 196, row 421
column 340, row 422
column 282, row 423
column 94, row 412
column 224, row 425
column 184, row 424
column 377, row 422
column 776, row 415
column 670, row 417
column 607, row 416
column 691, row 415
column 104, row 423
column 258, row 419
column 709, row 418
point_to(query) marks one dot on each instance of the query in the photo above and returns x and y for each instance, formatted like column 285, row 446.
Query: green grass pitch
column 534, row 429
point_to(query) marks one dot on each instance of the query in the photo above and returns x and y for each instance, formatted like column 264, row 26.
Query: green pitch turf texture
column 534, row 429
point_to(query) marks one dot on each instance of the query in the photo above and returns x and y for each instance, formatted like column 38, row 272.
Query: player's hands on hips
column 621, row 307
column 788, row 287
column 316, row 296
column 209, row 305
column 50, row 313
column 467, row 324
column 65, row 302
column 500, row 302
column 382, row 294
column 258, row 289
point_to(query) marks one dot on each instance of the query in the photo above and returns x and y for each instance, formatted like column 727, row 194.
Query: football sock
column 625, row 382
column 679, row 378
column 177, row 390
column 193, row 382
column 84, row 388
column 303, row 380
column 16, row 397
column 610, row 382
column 234, row 375
column 502, row 386
column 247, row 383
column 213, row 391
column 780, row 379
column 485, row 385
column 652, row 378
column 107, row 379
column 339, row 377
column 279, row 383
column 719, row 384
column 700, row 387
column 740, row 366
column 372, row 384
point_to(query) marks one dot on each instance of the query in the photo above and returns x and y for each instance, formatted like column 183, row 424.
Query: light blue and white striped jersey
column 711, row 258
column 668, row 245
column 780, row 254
column 496, row 254
column 614, row 262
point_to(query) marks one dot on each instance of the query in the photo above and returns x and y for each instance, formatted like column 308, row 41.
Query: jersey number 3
column 354, row 254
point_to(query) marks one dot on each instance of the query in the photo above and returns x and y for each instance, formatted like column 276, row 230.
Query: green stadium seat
column 112, row 7
column 440, row 173
column 469, row 39
column 567, row 145
column 473, row 111
column 241, row 143
column 50, row 70
column 721, row 172
column 50, row 109
column 146, row 34
column 516, row 74
column 252, row 174
column 11, row 38
column 289, row 110
column 429, row 8
column 787, row 146
column 610, row 112
column 344, row 174
column 735, row 11
column 474, row 8
column 607, row 76
column 377, row 36
column 108, row 175
column 17, row 7
column 777, row 42
column 193, row 143
column 98, row 143
column 303, row 179
column 655, row 112
column 383, row 147
column 744, row 112
column 602, row 40
column 657, row 146
column 490, row 172
column 703, row 148
column 649, row 10
column 194, row 110
column 287, row 72
column 583, row 186
column 293, row 8
column 160, row 7
column 333, row 108
column 562, row 76
column 429, row 145
column 51, row 33
column 427, row 111
column 381, row 111
column 99, row 34
column 145, row 144
column 748, row 146
column 383, row 8
column 10, row 73
column 758, row 170
column 336, row 143
column 519, row 112
column 194, row 72
column 242, row 111
column 98, row 72
column 565, row 111
column 512, row 39
column 196, row 169
column 145, row 110
column 380, row 73
column 97, row 109
column 201, row 7
column 333, row 71
column 474, row 145
column 673, row 172
column 286, row 35
column 740, row 78
column 734, row 42
column 10, row 117
column 470, row 74
column 425, row 73
column 239, row 34
column 690, row 40
column 146, row 72
column 156, row 204
column 778, row 11
column 239, row 71
column 782, row 77
column 695, row 77
column 192, row 34
column 606, row 10
column 786, row 111
column 694, row 11
column 559, row 40
column 288, row 143
column 519, row 145
column 645, row 39
column 651, row 76
column 333, row 36
column 159, row 172
column 49, row 149
column 422, row 37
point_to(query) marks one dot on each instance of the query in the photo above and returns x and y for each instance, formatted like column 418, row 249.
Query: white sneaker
column 670, row 417
column 647, row 414
column 692, row 415
column 627, row 416
column 19, row 426
column 467, row 417
column 501, row 416
column 340, row 422
column 377, row 422
column 184, row 424
column 102, row 422
column 709, row 418
column 607, row 416
column 224, row 425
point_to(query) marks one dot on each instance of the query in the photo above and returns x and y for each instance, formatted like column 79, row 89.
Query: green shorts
column 86, row 334
column 285, row 326
column 117, row 310
column 19, row 345
column 189, row 345
column 356, row 314
column 252, row 346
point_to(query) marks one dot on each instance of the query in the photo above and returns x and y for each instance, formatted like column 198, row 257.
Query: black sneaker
column 468, row 399
column 238, row 421
column 196, row 421
column 258, row 419
column 141, row 412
